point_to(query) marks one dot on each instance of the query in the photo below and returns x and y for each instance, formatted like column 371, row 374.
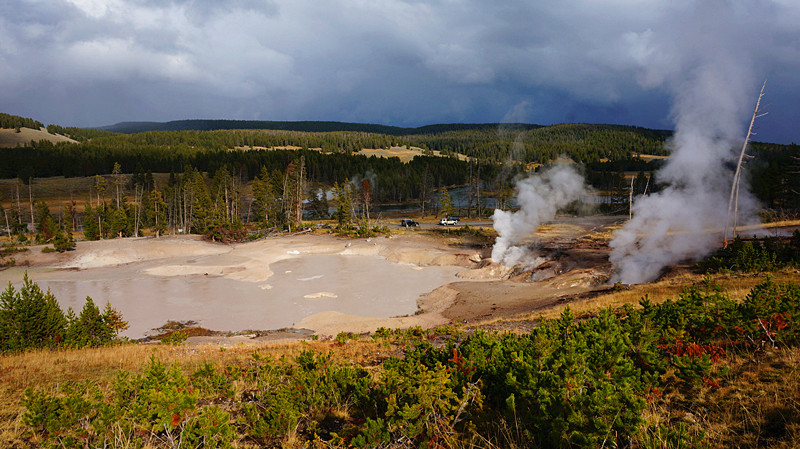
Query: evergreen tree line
column 581, row 142
column 396, row 181
column 492, row 141
column 606, row 151
column 755, row 255
column 32, row 319
column 8, row 121
column 774, row 175
column 523, row 143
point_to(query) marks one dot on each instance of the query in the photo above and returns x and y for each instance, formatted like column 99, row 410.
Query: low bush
column 756, row 255
column 175, row 338
column 568, row 383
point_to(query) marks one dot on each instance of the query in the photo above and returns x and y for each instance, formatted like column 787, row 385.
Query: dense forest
column 603, row 147
column 13, row 121
column 223, row 172
column 492, row 141
column 775, row 175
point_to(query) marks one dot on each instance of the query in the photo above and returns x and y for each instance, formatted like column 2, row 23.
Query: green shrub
column 568, row 383
column 32, row 318
column 175, row 338
column 767, row 254
column 160, row 404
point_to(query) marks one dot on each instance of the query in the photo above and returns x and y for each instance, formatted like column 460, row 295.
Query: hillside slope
column 10, row 138
column 306, row 126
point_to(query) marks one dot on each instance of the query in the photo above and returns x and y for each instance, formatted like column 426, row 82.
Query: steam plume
column 540, row 197
column 712, row 84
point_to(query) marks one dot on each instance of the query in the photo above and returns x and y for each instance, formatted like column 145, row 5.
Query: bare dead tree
column 630, row 199
column 8, row 227
column 19, row 207
column 138, row 196
column 30, row 199
column 301, row 179
column 733, row 203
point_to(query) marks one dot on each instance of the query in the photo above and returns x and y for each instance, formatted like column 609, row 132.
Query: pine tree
column 9, row 324
column 113, row 320
column 343, row 199
column 118, row 182
column 71, row 331
column 202, row 216
column 318, row 205
column 266, row 204
column 365, row 195
column 294, row 183
column 90, row 226
column 446, row 203
column 119, row 223
column 159, row 212
column 30, row 318
column 89, row 329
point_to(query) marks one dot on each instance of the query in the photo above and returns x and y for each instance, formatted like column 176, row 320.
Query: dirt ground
column 575, row 265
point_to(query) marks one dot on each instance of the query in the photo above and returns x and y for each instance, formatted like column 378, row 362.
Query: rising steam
column 540, row 197
column 713, row 91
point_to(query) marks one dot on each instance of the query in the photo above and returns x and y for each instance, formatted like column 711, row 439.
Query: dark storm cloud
column 95, row 62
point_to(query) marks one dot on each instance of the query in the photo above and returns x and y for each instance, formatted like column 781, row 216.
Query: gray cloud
column 389, row 61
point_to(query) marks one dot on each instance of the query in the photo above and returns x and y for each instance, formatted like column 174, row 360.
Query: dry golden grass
column 757, row 402
column 46, row 369
column 58, row 191
column 736, row 286
column 404, row 153
column 10, row 138
column 649, row 157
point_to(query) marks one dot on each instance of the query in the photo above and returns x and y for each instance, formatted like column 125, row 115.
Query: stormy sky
column 405, row 63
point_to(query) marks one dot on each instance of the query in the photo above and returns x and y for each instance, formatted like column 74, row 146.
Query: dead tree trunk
column 19, row 207
column 8, row 227
column 630, row 200
column 30, row 197
column 733, row 203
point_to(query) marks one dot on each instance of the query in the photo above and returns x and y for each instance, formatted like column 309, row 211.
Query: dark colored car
column 406, row 223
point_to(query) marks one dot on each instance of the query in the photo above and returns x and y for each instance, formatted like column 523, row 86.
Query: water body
column 300, row 287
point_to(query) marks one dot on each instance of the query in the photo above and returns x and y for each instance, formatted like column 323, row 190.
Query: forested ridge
column 15, row 121
column 490, row 141
column 166, row 151
column 307, row 126
column 243, row 157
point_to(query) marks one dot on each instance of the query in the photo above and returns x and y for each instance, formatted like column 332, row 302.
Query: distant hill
column 496, row 142
column 20, row 131
column 11, row 137
column 304, row 126
column 15, row 121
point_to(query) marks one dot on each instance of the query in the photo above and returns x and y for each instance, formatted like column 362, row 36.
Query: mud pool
column 301, row 286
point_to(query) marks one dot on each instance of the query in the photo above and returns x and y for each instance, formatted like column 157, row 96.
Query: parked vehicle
column 449, row 221
column 408, row 223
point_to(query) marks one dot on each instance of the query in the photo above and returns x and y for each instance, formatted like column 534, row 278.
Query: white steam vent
column 711, row 77
column 540, row 197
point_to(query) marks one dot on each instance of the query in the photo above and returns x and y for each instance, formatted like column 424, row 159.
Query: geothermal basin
column 268, row 284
